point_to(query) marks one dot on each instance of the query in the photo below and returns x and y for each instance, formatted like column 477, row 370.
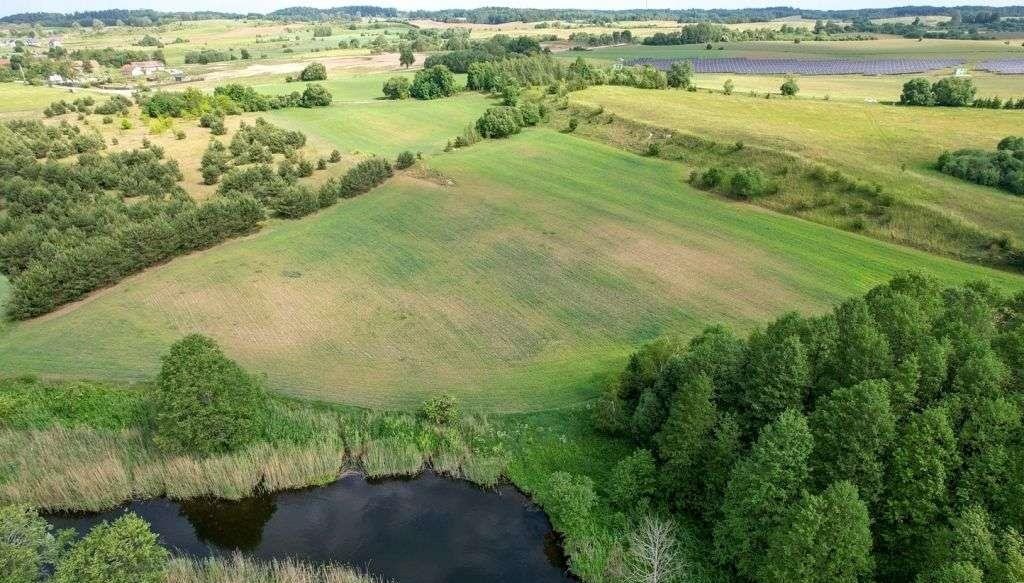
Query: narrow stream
column 427, row 529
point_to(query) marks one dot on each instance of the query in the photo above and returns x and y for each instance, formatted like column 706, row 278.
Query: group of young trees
column 883, row 440
column 1003, row 168
column 123, row 551
column 231, row 99
column 69, row 228
column 948, row 92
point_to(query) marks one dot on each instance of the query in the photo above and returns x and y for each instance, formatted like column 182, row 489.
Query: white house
column 140, row 68
column 55, row 79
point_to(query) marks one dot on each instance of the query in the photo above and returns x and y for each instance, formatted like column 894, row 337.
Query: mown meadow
column 510, row 273
column 883, row 146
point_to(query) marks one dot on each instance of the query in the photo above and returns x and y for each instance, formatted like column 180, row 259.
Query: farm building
column 140, row 68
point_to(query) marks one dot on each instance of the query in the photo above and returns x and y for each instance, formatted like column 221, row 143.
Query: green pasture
column 371, row 124
column 890, row 145
column 18, row 99
column 858, row 87
column 515, row 274
column 971, row 51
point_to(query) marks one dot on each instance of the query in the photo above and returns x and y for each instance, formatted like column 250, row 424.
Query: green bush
column 314, row 72
column 295, row 202
column 441, row 410
column 397, row 88
column 359, row 179
column 433, row 83
column 680, row 75
column 500, row 122
column 531, row 112
column 124, row 551
column 405, row 160
column 633, row 482
column 711, row 177
column 917, row 91
column 315, row 95
column 568, row 500
column 747, row 183
column 28, row 547
column 789, row 87
column 954, row 91
column 203, row 402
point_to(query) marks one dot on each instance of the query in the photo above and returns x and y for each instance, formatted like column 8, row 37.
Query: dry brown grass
column 240, row 569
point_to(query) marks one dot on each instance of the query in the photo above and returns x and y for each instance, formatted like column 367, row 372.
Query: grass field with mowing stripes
column 892, row 146
column 544, row 264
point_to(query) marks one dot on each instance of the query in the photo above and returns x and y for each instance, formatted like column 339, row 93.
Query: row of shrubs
column 287, row 198
column 743, row 183
column 230, row 99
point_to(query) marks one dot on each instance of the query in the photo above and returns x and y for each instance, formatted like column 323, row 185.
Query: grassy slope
column 542, row 266
column 870, row 141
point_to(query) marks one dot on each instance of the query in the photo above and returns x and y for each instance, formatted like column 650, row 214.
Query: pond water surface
column 426, row 529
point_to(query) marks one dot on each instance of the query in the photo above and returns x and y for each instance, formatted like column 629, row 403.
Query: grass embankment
column 893, row 148
column 542, row 265
column 84, row 446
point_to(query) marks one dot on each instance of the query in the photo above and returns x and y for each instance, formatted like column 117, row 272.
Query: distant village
column 84, row 72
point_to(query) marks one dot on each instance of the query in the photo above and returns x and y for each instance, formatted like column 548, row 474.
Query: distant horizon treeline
column 499, row 15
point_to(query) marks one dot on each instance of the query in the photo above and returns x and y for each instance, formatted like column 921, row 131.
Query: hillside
column 538, row 266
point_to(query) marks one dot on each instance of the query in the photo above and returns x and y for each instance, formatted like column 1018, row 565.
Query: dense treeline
column 155, row 17
column 883, row 440
column 495, row 48
column 70, row 228
column 1003, row 168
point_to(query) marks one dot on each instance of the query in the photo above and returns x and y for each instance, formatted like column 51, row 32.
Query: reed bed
column 240, row 569
column 83, row 461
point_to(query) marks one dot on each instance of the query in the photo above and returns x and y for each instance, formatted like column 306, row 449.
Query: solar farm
column 1003, row 66
column 746, row 66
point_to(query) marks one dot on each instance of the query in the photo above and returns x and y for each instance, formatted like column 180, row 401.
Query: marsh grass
column 63, row 457
column 240, row 569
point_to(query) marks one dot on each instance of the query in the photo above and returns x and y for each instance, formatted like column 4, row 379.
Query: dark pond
column 427, row 529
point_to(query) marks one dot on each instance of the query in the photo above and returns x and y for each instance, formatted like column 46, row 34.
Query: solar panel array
column 740, row 65
column 1004, row 66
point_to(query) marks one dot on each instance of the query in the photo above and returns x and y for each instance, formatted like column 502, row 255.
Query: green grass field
column 889, row 145
column 858, row 87
column 548, row 259
column 18, row 100
column 359, row 120
column 972, row 51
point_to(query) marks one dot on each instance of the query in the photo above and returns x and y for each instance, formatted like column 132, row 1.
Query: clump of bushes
column 359, row 179
column 433, row 83
column 405, row 160
column 500, row 122
column 747, row 183
column 441, row 410
column 789, row 87
column 1003, row 168
column 314, row 72
column 397, row 88
column 503, row 121
column 949, row 92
